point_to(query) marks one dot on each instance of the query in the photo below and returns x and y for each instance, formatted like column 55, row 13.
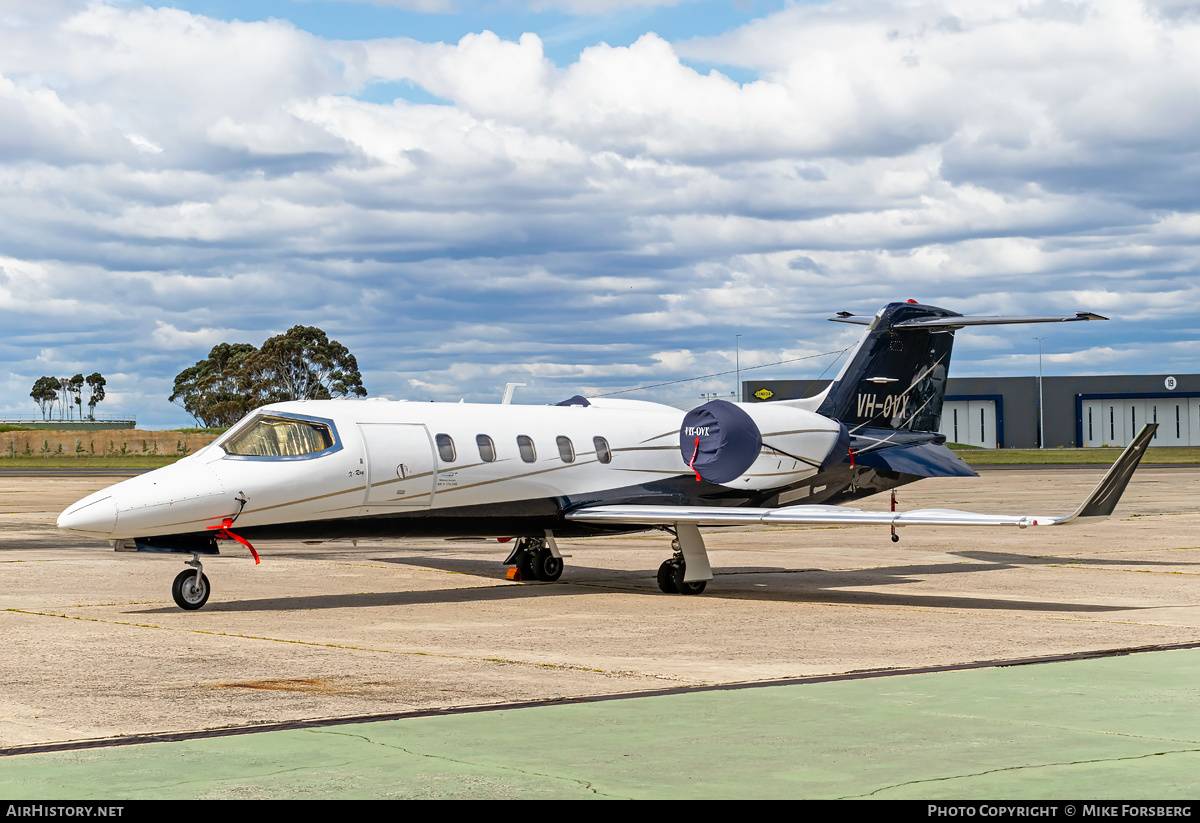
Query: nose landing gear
column 191, row 588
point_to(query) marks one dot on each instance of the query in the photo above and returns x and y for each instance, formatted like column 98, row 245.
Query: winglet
column 1102, row 501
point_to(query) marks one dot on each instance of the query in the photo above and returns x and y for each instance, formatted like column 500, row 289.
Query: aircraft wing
column 1100, row 503
column 798, row 516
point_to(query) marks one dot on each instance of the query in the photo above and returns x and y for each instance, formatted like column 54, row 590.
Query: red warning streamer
column 692, row 462
column 223, row 533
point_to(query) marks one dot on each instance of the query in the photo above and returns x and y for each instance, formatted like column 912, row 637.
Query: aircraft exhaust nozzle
column 719, row 441
column 759, row 445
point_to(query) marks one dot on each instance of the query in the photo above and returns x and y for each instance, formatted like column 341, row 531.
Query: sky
column 588, row 196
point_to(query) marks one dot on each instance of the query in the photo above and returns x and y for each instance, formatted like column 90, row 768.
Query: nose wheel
column 191, row 587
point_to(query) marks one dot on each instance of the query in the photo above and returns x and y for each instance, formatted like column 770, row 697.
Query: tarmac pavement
column 94, row 647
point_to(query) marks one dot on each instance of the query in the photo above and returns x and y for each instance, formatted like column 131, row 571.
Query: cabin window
column 487, row 449
column 603, row 453
column 445, row 446
column 271, row 436
column 565, row 449
column 525, row 444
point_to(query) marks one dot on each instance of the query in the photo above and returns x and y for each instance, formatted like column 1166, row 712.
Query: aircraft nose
column 94, row 516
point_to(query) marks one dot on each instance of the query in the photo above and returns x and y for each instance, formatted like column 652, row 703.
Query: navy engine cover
column 719, row 441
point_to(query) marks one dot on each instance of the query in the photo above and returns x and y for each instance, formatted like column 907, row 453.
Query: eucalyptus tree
column 304, row 364
column 216, row 391
column 235, row 378
column 74, row 390
column 45, row 393
column 96, row 383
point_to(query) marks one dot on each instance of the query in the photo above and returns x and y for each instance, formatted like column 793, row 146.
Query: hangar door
column 1114, row 422
column 970, row 422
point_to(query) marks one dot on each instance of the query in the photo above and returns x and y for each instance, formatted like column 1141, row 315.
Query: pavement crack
column 585, row 784
column 1027, row 767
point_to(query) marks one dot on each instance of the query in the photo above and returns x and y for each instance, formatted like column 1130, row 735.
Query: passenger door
column 400, row 465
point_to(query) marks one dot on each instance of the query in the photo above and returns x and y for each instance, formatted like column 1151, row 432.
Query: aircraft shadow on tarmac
column 759, row 583
column 1064, row 560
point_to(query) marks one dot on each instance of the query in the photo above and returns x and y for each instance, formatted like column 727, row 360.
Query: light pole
column 1041, row 404
column 738, row 365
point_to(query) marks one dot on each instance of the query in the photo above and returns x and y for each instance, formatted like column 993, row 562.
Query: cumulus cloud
column 170, row 180
column 579, row 7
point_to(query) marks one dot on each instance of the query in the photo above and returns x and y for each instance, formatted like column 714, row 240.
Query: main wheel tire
column 188, row 595
column 684, row 587
column 546, row 566
column 525, row 565
column 666, row 578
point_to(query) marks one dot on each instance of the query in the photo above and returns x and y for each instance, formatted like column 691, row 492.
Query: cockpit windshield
column 271, row 436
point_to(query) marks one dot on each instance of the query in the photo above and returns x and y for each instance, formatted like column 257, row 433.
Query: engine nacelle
column 759, row 445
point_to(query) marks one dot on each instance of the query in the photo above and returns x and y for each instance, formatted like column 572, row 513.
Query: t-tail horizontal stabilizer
column 1100, row 503
column 959, row 321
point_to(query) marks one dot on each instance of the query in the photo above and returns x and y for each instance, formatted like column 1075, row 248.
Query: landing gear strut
column 672, row 572
column 191, row 588
column 535, row 558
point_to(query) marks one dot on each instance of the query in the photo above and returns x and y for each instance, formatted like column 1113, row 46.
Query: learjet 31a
column 330, row 469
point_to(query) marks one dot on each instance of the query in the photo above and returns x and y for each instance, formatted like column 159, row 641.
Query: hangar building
column 1080, row 411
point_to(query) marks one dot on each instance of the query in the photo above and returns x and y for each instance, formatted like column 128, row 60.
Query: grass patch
column 1039, row 457
column 141, row 461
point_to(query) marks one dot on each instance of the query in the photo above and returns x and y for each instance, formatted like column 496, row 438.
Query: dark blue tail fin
column 896, row 378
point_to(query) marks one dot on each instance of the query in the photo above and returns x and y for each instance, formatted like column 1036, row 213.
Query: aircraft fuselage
column 383, row 468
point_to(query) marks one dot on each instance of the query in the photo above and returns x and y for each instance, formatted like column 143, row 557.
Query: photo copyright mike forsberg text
column 991, row 810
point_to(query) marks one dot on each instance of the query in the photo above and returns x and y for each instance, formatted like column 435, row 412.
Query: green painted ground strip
column 1122, row 728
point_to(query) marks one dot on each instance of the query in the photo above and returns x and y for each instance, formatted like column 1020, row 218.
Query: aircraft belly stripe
column 664, row 472
column 257, row 510
column 199, row 521
column 785, row 473
column 402, row 479
column 577, row 464
column 799, row 431
column 448, row 489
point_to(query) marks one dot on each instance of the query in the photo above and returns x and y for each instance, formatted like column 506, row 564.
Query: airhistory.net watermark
column 74, row 810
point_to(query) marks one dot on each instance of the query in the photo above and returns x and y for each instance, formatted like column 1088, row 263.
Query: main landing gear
column 191, row 588
column 671, row 573
column 536, row 559
column 687, row 547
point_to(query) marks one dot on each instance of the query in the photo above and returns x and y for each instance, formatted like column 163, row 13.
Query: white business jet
column 329, row 469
